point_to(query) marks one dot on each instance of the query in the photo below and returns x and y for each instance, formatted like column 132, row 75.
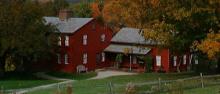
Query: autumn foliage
column 211, row 45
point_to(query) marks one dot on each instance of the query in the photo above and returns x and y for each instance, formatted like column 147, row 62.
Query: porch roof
column 119, row 48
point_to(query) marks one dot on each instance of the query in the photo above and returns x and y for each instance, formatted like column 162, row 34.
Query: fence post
column 2, row 90
column 159, row 83
column 110, row 88
column 202, row 82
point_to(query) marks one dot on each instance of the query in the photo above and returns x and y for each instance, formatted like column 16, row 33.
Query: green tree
column 82, row 9
column 175, row 24
column 24, row 37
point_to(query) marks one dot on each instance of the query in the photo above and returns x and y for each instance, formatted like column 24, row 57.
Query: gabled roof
column 70, row 25
column 119, row 48
column 131, row 35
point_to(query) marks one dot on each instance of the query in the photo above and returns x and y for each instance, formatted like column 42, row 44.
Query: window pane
column 58, row 59
column 174, row 60
column 66, row 40
column 66, row 59
column 158, row 60
column 59, row 41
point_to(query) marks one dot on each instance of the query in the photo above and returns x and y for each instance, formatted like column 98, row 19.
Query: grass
column 22, row 80
column 17, row 84
column 206, row 90
column 81, row 76
column 101, row 86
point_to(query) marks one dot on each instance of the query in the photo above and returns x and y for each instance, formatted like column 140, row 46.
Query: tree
column 82, row 9
column 211, row 45
column 24, row 37
column 174, row 24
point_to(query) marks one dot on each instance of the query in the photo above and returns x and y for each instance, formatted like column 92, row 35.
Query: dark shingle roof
column 69, row 26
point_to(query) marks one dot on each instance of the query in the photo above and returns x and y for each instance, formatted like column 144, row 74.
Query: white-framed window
column 158, row 61
column 174, row 61
column 196, row 61
column 103, row 37
column 85, row 58
column 184, row 59
column 59, row 41
column 66, row 59
column 66, row 40
column 103, row 57
column 85, row 37
column 58, row 58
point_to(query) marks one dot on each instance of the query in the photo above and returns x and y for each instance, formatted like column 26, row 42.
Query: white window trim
column 103, row 37
column 66, row 40
column 158, row 61
column 174, row 61
column 85, row 39
column 58, row 58
column 85, row 58
column 66, row 59
column 184, row 59
column 59, row 41
column 103, row 57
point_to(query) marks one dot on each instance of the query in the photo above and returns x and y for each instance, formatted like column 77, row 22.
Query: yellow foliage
column 211, row 45
column 126, row 51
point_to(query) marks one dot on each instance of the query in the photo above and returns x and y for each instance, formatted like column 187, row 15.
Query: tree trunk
column 2, row 66
column 178, row 65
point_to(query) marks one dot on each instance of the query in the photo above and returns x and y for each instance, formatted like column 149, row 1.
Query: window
column 196, row 61
column 66, row 59
column 66, row 40
column 103, row 37
column 174, row 61
column 184, row 59
column 158, row 61
column 103, row 57
column 58, row 59
column 59, row 41
column 85, row 39
column 85, row 58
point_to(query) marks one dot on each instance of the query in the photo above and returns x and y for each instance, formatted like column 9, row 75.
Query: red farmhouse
column 82, row 43
column 132, row 40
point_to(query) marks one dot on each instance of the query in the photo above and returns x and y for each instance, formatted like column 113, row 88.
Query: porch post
column 130, row 61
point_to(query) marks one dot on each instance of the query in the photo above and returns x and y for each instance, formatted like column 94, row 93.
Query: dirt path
column 45, row 76
column 110, row 73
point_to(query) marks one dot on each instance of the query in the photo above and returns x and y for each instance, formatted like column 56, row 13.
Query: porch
column 127, row 57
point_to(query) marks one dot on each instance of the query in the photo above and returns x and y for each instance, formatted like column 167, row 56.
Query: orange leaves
column 211, row 45
column 95, row 10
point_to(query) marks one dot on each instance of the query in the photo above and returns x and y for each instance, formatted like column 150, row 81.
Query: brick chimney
column 65, row 14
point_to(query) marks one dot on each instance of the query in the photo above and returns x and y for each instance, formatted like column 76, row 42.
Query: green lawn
column 207, row 90
column 17, row 84
column 101, row 86
column 81, row 76
column 22, row 80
